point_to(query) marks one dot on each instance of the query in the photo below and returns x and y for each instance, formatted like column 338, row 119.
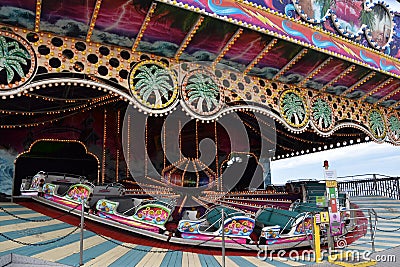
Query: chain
column 389, row 231
column 386, row 218
column 43, row 220
column 40, row 244
column 144, row 250
column 244, row 246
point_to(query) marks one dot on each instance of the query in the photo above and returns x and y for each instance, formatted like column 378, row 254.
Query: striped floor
column 99, row 251
column 388, row 230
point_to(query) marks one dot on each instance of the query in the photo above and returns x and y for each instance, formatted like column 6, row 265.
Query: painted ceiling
column 226, row 33
column 239, row 37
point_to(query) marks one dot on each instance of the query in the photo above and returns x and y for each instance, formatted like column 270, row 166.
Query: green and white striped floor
column 97, row 250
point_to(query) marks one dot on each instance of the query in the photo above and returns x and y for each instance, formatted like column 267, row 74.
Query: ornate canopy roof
column 272, row 57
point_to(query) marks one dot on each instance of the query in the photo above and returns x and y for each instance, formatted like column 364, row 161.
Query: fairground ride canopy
column 327, row 74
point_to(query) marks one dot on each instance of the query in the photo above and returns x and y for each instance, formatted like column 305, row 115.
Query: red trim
column 125, row 236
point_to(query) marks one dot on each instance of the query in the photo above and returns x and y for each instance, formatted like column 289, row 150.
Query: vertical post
column 384, row 189
column 372, row 231
column 374, row 178
column 219, row 179
column 81, row 243
column 103, row 159
column 331, row 242
column 266, row 168
column 223, row 237
column 317, row 241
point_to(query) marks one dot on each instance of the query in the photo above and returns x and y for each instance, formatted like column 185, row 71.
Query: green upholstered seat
column 215, row 215
column 307, row 207
column 270, row 216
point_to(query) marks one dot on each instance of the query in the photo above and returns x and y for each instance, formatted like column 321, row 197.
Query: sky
column 393, row 4
column 366, row 158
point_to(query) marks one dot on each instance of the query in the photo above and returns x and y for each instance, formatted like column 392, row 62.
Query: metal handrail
column 359, row 176
column 379, row 186
column 371, row 216
column 373, row 228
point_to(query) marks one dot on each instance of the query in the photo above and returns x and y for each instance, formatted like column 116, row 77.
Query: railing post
column 386, row 188
column 357, row 188
column 379, row 184
column 372, row 231
column 317, row 240
column 223, row 237
column 81, row 241
column 398, row 188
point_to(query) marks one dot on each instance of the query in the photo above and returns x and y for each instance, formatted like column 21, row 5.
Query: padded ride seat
column 189, row 215
column 125, row 204
column 271, row 217
column 208, row 228
column 63, row 189
column 214, row 216
column 307, row 207
column 126, row 207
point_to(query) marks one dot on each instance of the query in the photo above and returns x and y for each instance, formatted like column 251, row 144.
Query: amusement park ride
column 285, row 225
column 169, row 112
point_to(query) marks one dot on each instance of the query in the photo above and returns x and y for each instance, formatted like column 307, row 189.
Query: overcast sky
column 393, row 4
column 364, row 158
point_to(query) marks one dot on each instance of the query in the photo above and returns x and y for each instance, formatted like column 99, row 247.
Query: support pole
column 223, row 237
column 317, row 242
column 331, row 241
column 372, row 232
column 81, row 243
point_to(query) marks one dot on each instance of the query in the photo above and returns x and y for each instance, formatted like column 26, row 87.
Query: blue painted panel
column 89, row 254
column 33, row 250
column 208, row 260
column 132, row 257
column 35, row 231
column 172, row 259
column 16, row 221
column 241, row 261
column 17, row 212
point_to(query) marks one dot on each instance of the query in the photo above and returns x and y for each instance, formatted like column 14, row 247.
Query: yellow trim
column 227, row 46
column 317, row 242
column 306, row 109
column 188, row 38
column 382, row 136
column 144, row 26
column 260, row 56
column 38, row 13
column 336, row 259
column 93, row 20
column 137, row 95
column 337, row 78
column 333, row 120
column 318, row 29
column 366, row 78
column 216, row 80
